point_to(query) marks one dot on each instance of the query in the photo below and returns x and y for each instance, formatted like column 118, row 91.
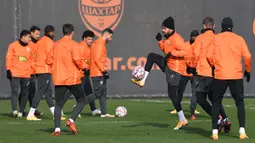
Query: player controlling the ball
column 174, row 49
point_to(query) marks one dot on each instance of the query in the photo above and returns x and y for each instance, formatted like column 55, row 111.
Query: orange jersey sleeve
column 180, row 49
column 9, row 57
column 247, row 55
column 49, row 57
column 100, row 57
column 77, row 57
column 210, row 54
column 165, row 46
column 196, row 46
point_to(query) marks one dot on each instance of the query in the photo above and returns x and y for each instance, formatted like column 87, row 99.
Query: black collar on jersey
column 22, row 43
column 207, row 29
column 169, row 35
column 191, row 41
column 33, row 40
column 48, row 35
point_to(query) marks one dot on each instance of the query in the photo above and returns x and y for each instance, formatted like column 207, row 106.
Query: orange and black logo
column 100, row 14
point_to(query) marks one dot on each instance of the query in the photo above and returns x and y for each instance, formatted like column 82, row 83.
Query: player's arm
column 164, row 46
column 50, row 56
column 210, row 54
column 76, row 56
column 196, row 46
column 179, row 48
column 31, row 61
column 9, row 58
column 49, row 51
column 99, row 57
column 247, row 56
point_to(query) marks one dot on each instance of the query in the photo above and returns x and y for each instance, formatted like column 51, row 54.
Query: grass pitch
column 148, row 121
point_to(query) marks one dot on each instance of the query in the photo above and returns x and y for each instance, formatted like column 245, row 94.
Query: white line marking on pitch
column 185, row 102
column 86, row 123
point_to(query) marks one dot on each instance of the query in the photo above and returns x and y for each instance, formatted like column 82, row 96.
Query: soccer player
column 226, row 56
column 98, row 73
column 19, row 67
column 66, row 63
column 204, row 72
column 174, row 48
column 35, row 35
column 87, row 40
column 43, row 73
column 187, row 76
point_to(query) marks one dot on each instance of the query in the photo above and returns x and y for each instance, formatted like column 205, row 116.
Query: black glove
column 9, row 74
column 190, row 70
column 86, row 72
column 213, row 68
column 247, row 75
column 106, row 75
column 158, row 37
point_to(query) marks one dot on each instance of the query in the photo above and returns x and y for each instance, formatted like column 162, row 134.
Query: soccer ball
column 138, row 72
column 121, row 111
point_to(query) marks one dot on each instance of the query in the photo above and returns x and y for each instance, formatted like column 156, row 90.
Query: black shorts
column 203, row 83
column 173, row 78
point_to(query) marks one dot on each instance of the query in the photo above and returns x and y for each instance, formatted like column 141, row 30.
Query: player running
column 226, row 57
column 202, row 68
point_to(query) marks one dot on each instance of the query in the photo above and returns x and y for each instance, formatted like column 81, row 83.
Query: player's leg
column 237, row 91
column 88, row 90
column 32, row 91
column 59, row 103
column 151, row 59
column 218, row 89
column 78, row 92
column 223, row 119
column 202, row 90
column 193, row 101
column 183, row 84
column 100, row 90
column 24, row 92
column 15, row 85
column 48, row 93
column 173, row 81
column 42, row 84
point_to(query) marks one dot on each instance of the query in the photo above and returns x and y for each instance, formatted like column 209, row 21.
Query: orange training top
column 19, row 60
column 226, row 56
column 66, row 62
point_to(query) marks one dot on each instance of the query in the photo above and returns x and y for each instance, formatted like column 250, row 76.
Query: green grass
column 147, row 121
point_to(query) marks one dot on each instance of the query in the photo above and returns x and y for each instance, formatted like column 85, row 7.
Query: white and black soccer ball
column 121, row 111
column 138, row 72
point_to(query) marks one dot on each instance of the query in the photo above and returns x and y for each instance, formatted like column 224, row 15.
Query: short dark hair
column 33, row 28
column 88, row 33
column 24, row 33
column 48, row 29
column 208, row 22
column 68, row 29
column 108, row 30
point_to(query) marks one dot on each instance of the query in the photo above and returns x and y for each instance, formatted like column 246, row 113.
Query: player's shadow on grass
column 6, row 115
column 203, row 132
column 82, row 114
column 197, row 131
column 159, row 125
column 187, row 114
